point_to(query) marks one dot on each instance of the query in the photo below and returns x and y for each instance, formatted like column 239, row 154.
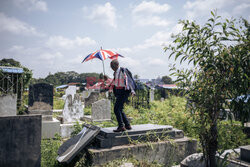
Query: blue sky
column 52, row 36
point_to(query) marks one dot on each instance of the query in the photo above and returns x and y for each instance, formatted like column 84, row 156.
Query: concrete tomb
column 73, row 146
column 107, row 138
column 101, row 111
column 108, row 145
column 20, row 141
column 245, row 153
column 8, row 104
column 41, row 102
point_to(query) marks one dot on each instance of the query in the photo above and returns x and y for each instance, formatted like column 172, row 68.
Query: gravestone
column 71, row 90
column 69, row 149
column 152, row 98
column 8, row 104
column 41, row 97
column 41, row 102
column 101, row 110
column 20, row 141
column 93, row 97
column 73, row 109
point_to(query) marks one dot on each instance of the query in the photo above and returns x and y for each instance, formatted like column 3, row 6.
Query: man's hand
column 133, row 93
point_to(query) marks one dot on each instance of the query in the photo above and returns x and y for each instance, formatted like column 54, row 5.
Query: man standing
column 123, row 84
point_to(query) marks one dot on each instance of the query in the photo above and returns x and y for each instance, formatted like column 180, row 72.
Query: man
column 123, row 84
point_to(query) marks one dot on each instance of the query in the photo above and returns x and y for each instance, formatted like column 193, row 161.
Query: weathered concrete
column 73, row 109
column 8, row 104
column 144, row 132
column 20, row 140
column 50, row 128
column 71, row 90
column 163, row 152
column 66, row 130
column 101, row 110
column 245, row 153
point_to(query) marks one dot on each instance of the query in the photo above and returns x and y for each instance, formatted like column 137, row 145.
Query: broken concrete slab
column 74, row 145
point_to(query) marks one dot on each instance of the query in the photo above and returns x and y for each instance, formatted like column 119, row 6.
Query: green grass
column 58, row 103
column 172, row 111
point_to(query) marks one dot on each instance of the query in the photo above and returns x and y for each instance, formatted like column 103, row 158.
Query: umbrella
column 102, row 55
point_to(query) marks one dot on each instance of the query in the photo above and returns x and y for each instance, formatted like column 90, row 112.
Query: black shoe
column 119, row 129
column 128, row 127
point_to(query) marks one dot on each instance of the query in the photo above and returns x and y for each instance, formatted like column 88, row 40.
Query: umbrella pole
column 103, row 68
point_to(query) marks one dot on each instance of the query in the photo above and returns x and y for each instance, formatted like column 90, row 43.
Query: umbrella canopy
column 102, row 55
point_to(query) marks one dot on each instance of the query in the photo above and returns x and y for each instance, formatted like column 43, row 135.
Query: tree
column 220, row 55
column 166, row 80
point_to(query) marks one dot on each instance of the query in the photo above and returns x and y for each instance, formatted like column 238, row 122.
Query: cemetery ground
column 171, row 111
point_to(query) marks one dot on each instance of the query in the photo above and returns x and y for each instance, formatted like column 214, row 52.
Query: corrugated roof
column 15, row 70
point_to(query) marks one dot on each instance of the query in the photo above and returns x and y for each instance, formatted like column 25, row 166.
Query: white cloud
column 15, row 26
column 199, row 8
column 150, row 20
column 160, row 38
column 147, row 13
column 104, row 14
column 32, row 5
column 240, row 8
column 66, row 43
column 151, row 7
column 156, row 61
column 49, row 56
column 130, row 61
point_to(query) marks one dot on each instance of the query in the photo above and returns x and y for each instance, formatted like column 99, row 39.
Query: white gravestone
column 101, row 110
column 8, row 105
column 71, row 90
column 73, row 109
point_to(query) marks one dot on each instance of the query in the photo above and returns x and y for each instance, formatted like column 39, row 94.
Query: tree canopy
column 219, row 52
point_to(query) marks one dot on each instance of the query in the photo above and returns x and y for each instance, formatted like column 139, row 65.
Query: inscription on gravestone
column 41, row 97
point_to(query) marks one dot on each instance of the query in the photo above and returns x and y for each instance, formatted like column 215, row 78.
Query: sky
column 56, row 35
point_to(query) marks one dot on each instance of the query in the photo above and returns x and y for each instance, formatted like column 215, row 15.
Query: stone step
column 163, row 152
column 136, row 129
column 125, row 139
column 42, row 112
column 139, row 133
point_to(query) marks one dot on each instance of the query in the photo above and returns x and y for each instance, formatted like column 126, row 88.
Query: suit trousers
column 121, row 97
